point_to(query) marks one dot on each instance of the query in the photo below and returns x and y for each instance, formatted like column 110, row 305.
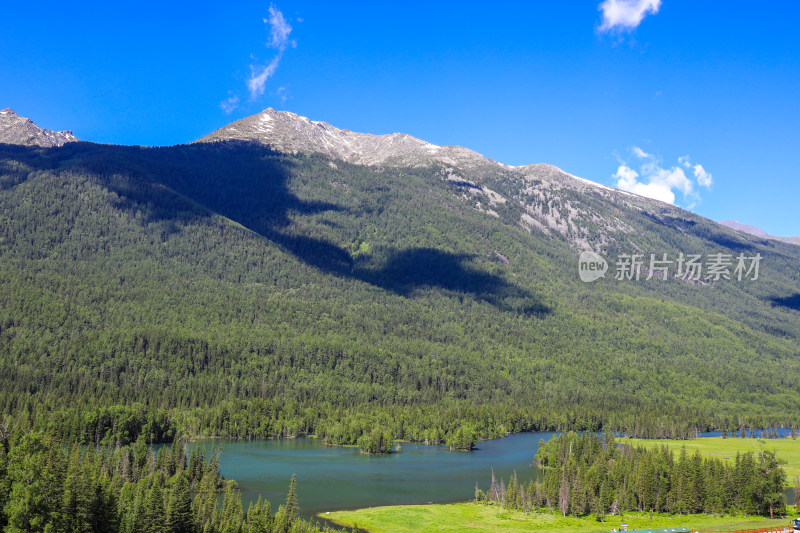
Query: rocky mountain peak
column 15, row 129
column 288, row 132
column 545, row 193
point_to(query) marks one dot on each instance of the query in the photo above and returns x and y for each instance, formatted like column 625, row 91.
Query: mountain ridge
column 289, row 132
column 758, row 232
column 538, row 188
column 15, row 129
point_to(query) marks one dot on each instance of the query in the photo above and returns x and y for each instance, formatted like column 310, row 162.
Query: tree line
column 591, row 474
column 47, row 486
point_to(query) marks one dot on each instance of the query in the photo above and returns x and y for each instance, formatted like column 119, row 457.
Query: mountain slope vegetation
column 228, row 289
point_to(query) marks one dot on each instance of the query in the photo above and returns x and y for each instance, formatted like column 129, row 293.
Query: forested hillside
column 224, row 289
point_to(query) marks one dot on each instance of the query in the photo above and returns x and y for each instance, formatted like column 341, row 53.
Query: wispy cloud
column 283, row 93
column 230, row 104
column 259, row 76
column 279, row 39
column 703, row 178
column 658, row 182
column 279, row 31
column 626, row 15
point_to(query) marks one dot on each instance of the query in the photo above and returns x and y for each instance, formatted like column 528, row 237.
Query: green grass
column 787, row 449
column 478, row 517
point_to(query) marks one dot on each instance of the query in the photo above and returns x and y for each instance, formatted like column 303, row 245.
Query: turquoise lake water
column 331, row 478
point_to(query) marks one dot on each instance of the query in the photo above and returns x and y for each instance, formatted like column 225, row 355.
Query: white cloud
column 626, row 14
column 230, row 104
column 259, row 76
column 655, row 181
column 282, row 93
column 703, row 177
column 279, row 33
column 279, row 29
column 627, row 180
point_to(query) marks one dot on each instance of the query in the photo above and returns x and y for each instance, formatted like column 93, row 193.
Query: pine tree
column 511, row 492
column 291, row 501
column 155, row 516
column 30, row 502
column 259, row 516
column 232, row 517
column 179, row 510
column 205, row 503
column 563, row 495
column 73, row 515
column 281, row 523
column 599, row 503
column 103, row 504
column 771, row 484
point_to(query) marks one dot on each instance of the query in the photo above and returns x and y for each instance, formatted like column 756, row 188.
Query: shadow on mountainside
column 249, row 184
column 789, row 302
column 405, row 272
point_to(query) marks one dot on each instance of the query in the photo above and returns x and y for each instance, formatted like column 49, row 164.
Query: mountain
column 261, row 287
column 15, row 129
column 554, row 202
column 287, row 132
column 758, row 232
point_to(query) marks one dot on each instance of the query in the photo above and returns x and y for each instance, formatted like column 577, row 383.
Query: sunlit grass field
column 787, row 449
column 473, row 517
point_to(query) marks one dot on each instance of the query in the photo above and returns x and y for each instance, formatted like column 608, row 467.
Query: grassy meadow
column 472, row 516
column 787, row 449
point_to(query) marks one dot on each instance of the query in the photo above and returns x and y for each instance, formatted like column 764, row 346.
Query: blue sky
column 631, row 93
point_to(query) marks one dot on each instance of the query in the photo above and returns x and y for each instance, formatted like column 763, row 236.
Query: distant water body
column 335, row 478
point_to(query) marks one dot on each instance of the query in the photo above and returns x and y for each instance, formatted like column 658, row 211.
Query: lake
column 332, row 478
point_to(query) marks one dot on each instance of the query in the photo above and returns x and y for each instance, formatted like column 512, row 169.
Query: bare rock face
column 288, row 132
column 15, row 129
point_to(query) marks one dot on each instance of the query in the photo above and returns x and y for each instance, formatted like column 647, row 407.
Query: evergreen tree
column 259, row 516
column 103, row 507
column 205, row 503
column 232, row 517
column 179, row 510
column 291, row 502
column 30, row 503
column 771, row 483
column 74, row 512
column 155, row 516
